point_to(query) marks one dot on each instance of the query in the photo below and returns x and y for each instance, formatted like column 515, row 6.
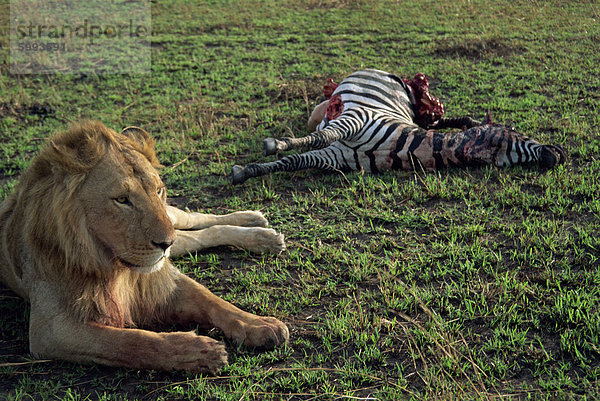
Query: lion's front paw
column 264, row 240
column 257, row 331
column 198, row 354
column 249, row 218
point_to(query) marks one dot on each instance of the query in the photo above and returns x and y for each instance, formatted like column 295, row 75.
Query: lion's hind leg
column 257, row 239
column 196, row 221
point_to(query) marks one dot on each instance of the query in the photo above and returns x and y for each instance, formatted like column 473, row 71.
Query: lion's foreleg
column 195, row 303
column 256, row 239
column 195, row 221
column 63, row 337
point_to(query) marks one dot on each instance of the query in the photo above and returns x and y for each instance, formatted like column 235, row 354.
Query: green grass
column 472, row 284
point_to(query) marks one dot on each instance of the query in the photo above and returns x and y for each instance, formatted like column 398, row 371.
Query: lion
column 86, row 237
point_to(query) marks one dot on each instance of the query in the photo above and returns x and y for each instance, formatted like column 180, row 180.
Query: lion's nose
column 162, row 245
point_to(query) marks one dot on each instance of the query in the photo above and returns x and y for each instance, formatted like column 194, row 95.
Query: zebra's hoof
column 237, row 175
column 269, row 146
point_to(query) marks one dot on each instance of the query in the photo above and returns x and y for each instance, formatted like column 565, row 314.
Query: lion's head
column 97, row 201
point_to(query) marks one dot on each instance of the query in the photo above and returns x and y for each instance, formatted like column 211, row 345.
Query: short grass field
column 461, row 284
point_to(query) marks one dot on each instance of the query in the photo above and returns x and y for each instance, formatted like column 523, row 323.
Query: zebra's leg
column 317, row 115
column 343, row 127
column 463, row 123
column 324, row 159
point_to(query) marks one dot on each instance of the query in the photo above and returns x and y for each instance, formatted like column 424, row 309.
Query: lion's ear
column 137, row 135
column 144, row 143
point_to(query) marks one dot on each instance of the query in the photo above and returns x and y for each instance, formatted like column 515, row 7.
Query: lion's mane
column 48, row 227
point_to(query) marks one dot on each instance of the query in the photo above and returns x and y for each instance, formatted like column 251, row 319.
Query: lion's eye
column 160, row 192
column 123, row 200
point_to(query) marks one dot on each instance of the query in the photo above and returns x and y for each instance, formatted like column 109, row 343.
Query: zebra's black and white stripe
column 377, row 130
